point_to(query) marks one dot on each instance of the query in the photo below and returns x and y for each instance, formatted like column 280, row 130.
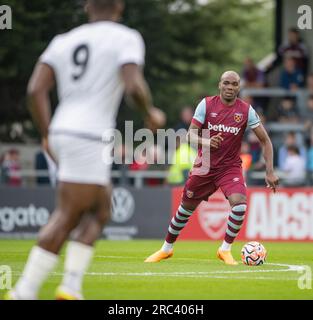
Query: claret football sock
column 77, row 260
column 40, row 263
column 235, row 222
column 177, row 224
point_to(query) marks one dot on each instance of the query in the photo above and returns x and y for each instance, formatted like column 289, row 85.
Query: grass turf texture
column 194, row 272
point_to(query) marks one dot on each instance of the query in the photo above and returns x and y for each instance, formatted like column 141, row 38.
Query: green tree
column 35, row 23
column 188, row 45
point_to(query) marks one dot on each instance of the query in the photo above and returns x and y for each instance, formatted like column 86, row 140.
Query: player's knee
column 61, row 224
column 239, row 207
column 68, row 221
column 103, row 216
column 51, row 241
column 237, row 199
column 189, row 206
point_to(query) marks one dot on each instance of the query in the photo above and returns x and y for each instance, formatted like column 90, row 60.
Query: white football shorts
column 81, row 160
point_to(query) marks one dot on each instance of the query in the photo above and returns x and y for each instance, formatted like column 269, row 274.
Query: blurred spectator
column 182, row 162
column 186, row 116
column 120, row 165
column 291, row 78
column 255, row 147
column 249, row 100
column 3, row 169
column 309, row 83
column 11, row 168
column 287, row 111
column 52, row 168
column 310, row 158
column 156, row 160
column 256, row 103
column 308, row 117
column 41, row 165
column 246, row 157
column 295, row 49
column 252, row 77
column 290, row 141
column 294, row 168
column 140, row 163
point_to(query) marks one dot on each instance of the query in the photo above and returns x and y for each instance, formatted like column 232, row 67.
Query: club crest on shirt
column 238, row 117
column 189, row 194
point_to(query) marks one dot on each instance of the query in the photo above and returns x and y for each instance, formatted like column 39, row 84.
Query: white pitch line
column 293, row 267
column 290, row 268
column 220, row 274
column 202, row 274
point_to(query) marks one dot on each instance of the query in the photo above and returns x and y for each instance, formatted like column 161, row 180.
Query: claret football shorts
column 229, row 180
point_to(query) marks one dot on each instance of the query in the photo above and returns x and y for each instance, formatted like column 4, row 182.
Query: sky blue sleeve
column 253, row 119
column 200, row 112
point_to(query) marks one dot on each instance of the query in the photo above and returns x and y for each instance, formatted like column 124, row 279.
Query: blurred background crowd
column 184, row 62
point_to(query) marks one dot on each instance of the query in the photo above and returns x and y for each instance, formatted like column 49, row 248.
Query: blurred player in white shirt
column 92, row 66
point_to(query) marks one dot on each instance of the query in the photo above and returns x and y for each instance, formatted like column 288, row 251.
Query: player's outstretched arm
column 40, row 84
column 271, row 179
column 138, row 93
column 136, row 89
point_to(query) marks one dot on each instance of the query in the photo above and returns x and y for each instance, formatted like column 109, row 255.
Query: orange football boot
column 227, row 257
column 159, row 255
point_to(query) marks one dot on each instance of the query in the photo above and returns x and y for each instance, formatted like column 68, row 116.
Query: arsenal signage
column 285, row 215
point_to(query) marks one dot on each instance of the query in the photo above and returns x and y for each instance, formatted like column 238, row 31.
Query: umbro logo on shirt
column 223, row 128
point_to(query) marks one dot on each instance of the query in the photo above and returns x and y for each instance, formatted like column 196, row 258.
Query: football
column 253, row 254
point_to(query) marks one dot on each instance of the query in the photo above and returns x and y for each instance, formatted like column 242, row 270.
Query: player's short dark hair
column 105, row 4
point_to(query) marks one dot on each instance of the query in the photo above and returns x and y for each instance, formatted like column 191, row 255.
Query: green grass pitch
column 194, row 272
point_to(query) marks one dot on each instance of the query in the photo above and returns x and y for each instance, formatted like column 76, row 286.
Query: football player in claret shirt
column 218, row 128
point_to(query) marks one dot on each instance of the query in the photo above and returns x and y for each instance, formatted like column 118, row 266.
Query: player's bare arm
column 194, row 137
column 138, row 93
column 271, row 179
column 39, row 86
